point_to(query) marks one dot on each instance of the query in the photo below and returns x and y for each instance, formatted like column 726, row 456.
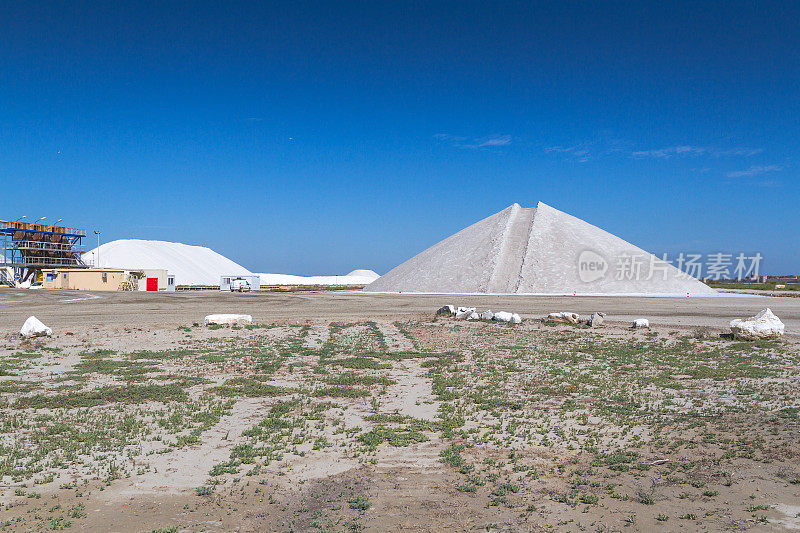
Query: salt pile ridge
column 356, row 277
column 191, row 265
column 534, row 251
column 198, row 265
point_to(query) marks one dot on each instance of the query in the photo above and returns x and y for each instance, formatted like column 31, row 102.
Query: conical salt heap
column 537, row 250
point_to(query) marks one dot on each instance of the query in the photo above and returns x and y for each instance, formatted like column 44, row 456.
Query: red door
column 152, row 284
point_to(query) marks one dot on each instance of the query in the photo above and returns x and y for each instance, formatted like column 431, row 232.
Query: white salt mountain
column 191, row 265
column 198, row 265
column 536, row 251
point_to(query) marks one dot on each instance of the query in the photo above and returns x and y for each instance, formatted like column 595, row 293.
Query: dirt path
column 182, row 471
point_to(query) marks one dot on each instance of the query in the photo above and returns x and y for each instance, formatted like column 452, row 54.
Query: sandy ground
column 72, row 309
column 693, row 487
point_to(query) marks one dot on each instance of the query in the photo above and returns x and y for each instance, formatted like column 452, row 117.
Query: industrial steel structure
column 28, row 248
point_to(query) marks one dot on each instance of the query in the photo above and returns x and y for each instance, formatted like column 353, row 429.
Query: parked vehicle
column 240, row 285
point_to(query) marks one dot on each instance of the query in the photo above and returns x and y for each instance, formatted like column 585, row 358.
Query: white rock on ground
column 641, row 323
column 487, row 315
column 473, row 316
column 765, row 325
column 33, row 327
column 564, row 316
column 505, row 316
column 464, row 312
column 596, row 319
column 228, row 319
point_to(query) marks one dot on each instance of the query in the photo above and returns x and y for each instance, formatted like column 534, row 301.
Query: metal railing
column 6, row 225
column 45, row 246
column 43, row 262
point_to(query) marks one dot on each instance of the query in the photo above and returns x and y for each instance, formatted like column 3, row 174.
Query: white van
column 240, row 285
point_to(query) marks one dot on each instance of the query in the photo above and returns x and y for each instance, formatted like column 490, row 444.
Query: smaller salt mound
column 191, row 265
column 356, row 277
column 371, row 274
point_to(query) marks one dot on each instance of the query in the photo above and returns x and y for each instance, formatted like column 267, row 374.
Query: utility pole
column 98, row 249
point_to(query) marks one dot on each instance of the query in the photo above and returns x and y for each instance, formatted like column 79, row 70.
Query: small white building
column 156, row 279
column 240, row 283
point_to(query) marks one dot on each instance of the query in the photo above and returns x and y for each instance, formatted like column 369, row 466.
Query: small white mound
column 191, row 265
column 641, row 323
column 33, row 327
column 223, row 319
column 364, row 273
column 765, row 325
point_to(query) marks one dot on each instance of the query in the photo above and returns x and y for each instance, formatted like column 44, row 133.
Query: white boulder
column 640, row 323
column 765, row 325
column 228, row 319
column 33, row 327
column 487, row 315
column 464, row 312
column 505, row 316
column 473, row 316
column 564, row 316
column 596, row 319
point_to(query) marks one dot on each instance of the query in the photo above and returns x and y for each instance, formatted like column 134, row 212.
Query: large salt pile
column 198, row 265
column 191, row 265
column 536, row 251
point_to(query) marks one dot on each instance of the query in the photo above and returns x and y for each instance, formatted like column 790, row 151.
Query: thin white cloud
column 670, row 151
column 747, row 152
column 475, row 143
column 449, row 138
column 581, row 152
column 693, row 151
column 498, row 140
column 754, row 170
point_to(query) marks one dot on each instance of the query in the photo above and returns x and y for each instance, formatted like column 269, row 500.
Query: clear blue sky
column 318, row 137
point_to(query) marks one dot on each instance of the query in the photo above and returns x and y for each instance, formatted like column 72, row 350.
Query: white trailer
column 240, row 283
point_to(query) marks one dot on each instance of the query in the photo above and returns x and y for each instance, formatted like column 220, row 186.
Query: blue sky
column 318, row 137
